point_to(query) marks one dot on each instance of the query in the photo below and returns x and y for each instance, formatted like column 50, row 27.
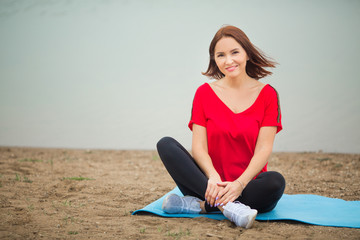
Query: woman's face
column 230, row 57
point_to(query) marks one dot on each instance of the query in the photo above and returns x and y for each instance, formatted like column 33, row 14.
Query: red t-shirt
column 232, row 137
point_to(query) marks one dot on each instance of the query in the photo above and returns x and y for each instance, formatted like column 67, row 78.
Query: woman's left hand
column 230, row 192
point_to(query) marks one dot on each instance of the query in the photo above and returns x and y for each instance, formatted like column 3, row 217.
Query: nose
column 228, row 60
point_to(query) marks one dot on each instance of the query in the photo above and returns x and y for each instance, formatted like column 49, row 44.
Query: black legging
column 261, row 193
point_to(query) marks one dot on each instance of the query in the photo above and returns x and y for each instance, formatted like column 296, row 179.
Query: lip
column 232, row 68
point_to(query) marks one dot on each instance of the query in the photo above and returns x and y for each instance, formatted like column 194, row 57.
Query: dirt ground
column 90, row 194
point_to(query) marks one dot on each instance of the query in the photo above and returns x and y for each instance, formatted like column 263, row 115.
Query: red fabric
column 232, row 137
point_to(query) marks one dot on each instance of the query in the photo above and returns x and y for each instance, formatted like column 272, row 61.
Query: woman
column 234, row 121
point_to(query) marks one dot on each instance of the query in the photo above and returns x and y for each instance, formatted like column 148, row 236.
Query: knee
column 273, row 190
column 164, row 143
column 277, row 182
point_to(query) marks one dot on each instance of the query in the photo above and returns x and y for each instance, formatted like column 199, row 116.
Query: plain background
column 122, row 74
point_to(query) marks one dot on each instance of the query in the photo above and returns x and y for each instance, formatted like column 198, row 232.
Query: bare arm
column 200, row 151
column 202, row 158
column 263, row 149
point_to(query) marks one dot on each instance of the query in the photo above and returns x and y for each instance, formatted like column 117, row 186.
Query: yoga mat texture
column 306, row 208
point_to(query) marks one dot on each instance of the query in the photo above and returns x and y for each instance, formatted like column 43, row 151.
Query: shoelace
column 236, row 208
column 184, row 207
column 187, row 204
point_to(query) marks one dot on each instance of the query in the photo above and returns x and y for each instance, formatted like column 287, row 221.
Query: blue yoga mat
column 306, row 208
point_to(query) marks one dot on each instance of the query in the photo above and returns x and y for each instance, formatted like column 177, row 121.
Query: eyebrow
column 230, row 50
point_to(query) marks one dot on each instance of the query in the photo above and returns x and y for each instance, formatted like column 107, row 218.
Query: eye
column 235, row 52
column 220, row 55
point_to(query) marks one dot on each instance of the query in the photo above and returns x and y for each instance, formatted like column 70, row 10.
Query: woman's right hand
column 202, row 158
column 212, row 190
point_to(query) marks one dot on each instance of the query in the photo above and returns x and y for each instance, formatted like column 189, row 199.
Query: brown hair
column 257, row 59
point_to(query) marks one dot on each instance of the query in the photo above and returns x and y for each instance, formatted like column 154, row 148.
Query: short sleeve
column 272, row 116
column 197, row 112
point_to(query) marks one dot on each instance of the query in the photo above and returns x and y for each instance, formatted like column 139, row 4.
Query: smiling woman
column 234, row 122
column 256, row 60
column 230, row 57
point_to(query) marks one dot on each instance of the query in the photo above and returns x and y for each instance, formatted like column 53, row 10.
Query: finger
column 232, row 192
column 222, row 184
column 211, row 195
column 223, row 195
column 223, row 201
column 216, row 203
column 231, row 197
column 218, row 189
column 207, row 193
column 226, row 200
column 219, row 195
column 209, row 188
column 208, row 196
column 222, row 192
column 214, row 197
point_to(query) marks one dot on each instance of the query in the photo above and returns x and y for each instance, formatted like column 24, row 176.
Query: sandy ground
column 42, row 196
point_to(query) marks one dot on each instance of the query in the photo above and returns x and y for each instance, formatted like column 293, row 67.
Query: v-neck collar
column 245, row 110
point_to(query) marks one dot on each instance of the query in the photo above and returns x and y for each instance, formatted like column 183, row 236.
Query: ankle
column 202, row 207
column 221, row 208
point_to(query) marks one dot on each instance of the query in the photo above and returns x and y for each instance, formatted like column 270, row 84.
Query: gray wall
column 122, row 74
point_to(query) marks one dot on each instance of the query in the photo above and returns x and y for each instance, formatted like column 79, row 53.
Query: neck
column 238, row 81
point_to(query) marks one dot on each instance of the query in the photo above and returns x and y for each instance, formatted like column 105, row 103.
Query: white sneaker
column 240, row 214
column 176, row 204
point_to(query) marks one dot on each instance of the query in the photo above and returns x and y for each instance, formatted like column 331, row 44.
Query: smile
column 232, row 68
